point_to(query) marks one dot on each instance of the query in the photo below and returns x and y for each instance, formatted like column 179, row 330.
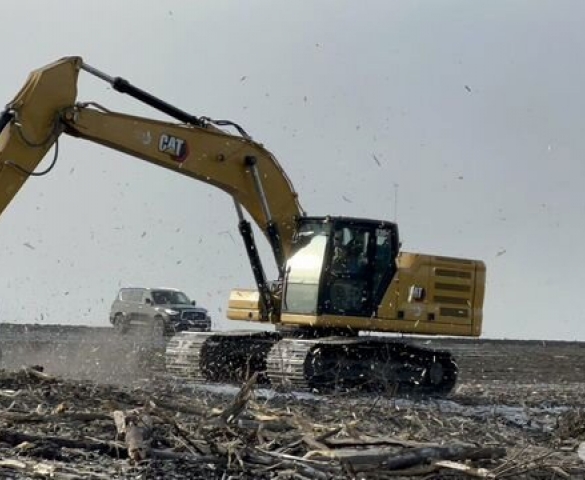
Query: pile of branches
column 51, row 428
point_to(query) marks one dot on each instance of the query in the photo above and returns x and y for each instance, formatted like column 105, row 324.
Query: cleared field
column 517, row 412
column 100, row 354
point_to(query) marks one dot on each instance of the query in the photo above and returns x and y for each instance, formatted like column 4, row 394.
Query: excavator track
column 183, row 356
column 321, row 364
column 286, row 364
column 219, row 357
column 367, row 363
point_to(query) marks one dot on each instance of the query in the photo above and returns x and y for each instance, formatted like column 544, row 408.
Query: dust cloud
column 82, row 353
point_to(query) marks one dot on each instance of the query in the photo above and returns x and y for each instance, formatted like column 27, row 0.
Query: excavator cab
column 341, row 266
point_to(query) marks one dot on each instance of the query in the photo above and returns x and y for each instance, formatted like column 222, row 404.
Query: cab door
column 361, row 265
column 348, row 279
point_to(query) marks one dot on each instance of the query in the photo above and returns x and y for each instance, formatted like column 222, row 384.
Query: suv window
column 131, row 295
column 169, row 297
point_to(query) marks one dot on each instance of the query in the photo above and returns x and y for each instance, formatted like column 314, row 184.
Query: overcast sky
column 470, row 113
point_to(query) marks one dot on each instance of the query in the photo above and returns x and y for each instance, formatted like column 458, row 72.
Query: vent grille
column 443, row 272
column 191, row 315
column 454, row 312
column 454, row 260
column 451, row 300
column 452, row 287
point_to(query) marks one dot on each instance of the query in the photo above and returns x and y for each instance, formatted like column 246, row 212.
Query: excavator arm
column 46, row 107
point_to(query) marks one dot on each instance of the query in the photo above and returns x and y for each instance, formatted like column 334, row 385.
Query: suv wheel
column 120, row 323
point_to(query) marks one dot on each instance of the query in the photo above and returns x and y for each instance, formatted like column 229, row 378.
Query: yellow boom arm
column 46, row 107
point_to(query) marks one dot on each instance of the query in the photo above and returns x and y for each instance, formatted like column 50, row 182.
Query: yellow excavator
column 340, row 279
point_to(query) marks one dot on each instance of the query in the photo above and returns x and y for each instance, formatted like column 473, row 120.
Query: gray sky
column 472, row 108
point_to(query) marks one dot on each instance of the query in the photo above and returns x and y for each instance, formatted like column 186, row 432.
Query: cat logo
column 174, row 146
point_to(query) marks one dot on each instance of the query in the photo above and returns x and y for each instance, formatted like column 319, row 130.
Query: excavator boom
column 46, row 107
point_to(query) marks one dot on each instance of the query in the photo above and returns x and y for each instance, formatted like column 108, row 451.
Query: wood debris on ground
column 56, row 428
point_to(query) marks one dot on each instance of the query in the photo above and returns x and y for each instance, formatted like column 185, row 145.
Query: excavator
column 348, row 306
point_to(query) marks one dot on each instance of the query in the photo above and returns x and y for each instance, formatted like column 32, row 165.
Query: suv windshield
column 169, row 297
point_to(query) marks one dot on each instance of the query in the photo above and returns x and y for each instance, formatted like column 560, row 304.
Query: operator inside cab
column 349, row 252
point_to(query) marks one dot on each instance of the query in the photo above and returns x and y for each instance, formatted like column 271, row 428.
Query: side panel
column 435, row 295
column 244, row 305
column 429, row 295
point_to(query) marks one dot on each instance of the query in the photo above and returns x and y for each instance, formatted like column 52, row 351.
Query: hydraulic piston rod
column 124, row 86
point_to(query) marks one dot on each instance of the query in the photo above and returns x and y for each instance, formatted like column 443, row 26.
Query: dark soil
column 518, row 411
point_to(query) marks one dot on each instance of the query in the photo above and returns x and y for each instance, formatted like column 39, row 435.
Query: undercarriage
column 311, row 364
